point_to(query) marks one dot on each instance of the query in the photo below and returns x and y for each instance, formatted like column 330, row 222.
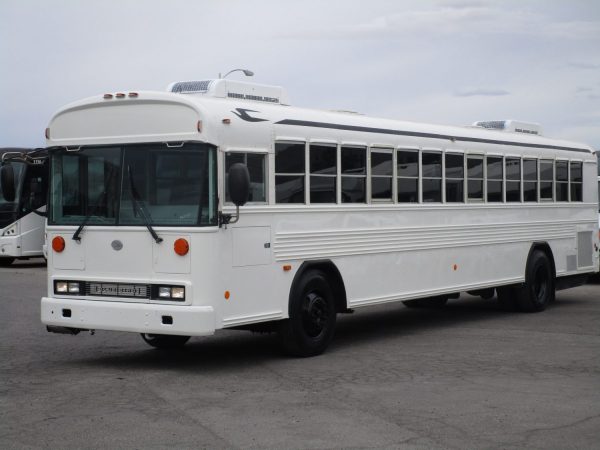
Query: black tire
column 427, row 302
column 312, row 316
column 165, row 341
column 507, row 298
column 539, row 288
column 5, row 262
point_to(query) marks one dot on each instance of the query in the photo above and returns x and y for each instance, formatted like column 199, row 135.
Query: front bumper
column 9, row 247
column 135, row 317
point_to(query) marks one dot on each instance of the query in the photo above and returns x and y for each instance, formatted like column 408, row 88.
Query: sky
column 441, row 61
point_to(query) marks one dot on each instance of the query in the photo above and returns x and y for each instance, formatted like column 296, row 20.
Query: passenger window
column 562, row 181
column 323, row 173
column 354, row 174
column 513, row 179
column 432, row 176
column 546, row 179
column 257, row 169
column 495, row 175
column 475, row 177
column 381, row 174
column 455, row 176
column 530, row 177
column 289, row 172
column 407, row 163
column 576, row 181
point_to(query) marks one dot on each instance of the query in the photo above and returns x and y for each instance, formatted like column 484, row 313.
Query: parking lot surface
column 467, row 376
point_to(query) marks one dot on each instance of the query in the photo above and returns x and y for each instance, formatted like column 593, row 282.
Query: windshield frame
column 211, row 201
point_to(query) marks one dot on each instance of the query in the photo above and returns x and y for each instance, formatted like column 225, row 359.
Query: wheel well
column 333, row 276
column 544, row 247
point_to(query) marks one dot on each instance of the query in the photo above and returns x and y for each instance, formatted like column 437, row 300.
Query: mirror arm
column 226, row 219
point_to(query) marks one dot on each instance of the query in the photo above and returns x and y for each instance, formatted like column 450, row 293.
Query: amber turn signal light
column 181, row 247
column 58, row 244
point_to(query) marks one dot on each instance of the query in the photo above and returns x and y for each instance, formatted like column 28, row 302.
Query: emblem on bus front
column 116, row 245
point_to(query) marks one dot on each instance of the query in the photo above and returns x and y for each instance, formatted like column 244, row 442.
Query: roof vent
column 188, row 87
column 511, row 126
column 238, row 90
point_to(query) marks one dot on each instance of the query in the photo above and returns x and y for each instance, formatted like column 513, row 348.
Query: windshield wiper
column 93, row 212
column 137, row 204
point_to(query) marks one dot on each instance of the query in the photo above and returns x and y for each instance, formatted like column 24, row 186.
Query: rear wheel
column 539, row 288
column 165, row 341
column 5, row 262
column 428, row 302
column 312, row 316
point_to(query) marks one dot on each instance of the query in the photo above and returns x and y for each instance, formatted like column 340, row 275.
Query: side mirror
column 7, row 182
column 239, row 184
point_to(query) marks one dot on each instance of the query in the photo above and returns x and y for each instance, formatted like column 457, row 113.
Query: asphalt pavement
column 466, row 376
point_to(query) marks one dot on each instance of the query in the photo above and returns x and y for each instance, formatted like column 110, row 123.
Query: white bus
column 22, row 208
column 343, row 211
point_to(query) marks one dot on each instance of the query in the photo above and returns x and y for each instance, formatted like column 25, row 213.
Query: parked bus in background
column 23, row 204
column 338, row 211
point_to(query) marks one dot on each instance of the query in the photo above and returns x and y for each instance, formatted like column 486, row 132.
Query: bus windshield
column 116, row 185
column 18, row 169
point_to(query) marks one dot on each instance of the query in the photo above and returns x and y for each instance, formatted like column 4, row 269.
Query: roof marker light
column 108, row 96
column 226, row 121
column 47, row 133
column 133, row 94
column 120, row 95
column 199, row 126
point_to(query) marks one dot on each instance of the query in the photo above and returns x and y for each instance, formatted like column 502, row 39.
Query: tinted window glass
column 454, row 165
column 494, row 168
column 432, row 190
column 353, row 190
column 562, row 171
column 322, row 189
column 289, row 158
column 513, row 169
column 432, row 164
column 408, row 190
column 354, row 170
column 530, row 170
column 289, row 188
column 408, row 163
column 381, row 163
column 576, row 174
column 475, row 167
column 381, row 188
column 354, row 161
column 323, row 159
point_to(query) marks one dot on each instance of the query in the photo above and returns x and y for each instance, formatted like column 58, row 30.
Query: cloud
column 460, row 19
column 473, row 92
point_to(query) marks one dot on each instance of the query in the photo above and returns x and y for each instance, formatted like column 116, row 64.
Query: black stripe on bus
column 337, row 126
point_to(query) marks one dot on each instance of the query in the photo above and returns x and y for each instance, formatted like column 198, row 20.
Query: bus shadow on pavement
column 228, row 350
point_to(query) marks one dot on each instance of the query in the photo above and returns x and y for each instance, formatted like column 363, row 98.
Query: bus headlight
column 178, row 292
column 67, row 287
column 169, row 292
column 164, row 292
column 10, row 231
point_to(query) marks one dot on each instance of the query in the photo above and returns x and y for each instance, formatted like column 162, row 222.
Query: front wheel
column 312, row 316
column 165, row 341
column 538, row 290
